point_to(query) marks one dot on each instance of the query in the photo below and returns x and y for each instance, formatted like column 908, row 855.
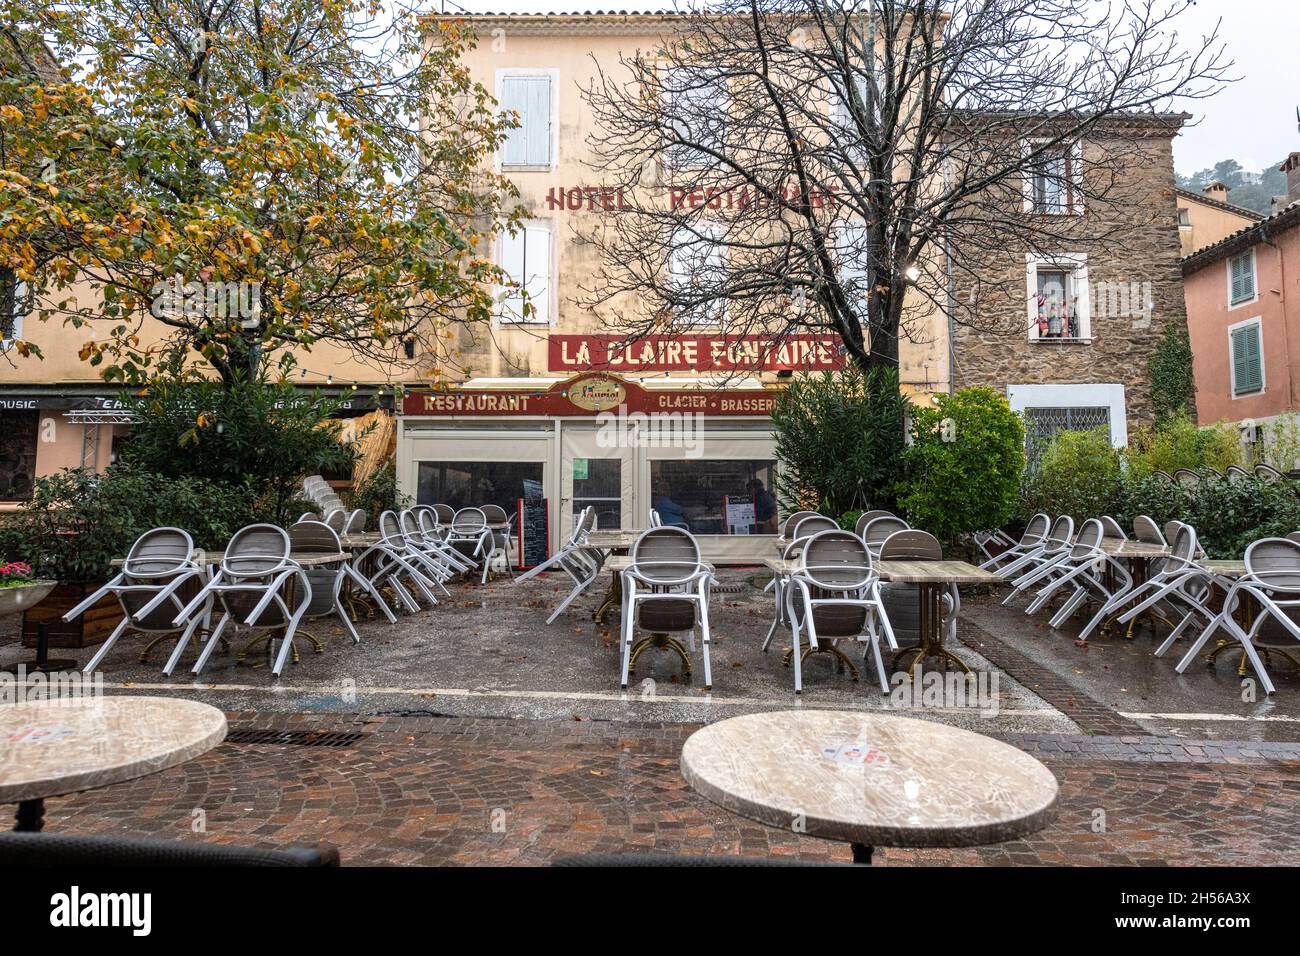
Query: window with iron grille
column 1042, row 424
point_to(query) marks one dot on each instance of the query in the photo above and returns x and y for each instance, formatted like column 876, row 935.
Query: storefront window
column 598, row 482
column 17, row 454
column 715, row 497
column 471, row 484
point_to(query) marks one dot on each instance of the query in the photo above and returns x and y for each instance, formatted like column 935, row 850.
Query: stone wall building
column 1066, row 330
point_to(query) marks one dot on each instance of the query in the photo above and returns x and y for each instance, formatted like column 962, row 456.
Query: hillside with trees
column 1257, row 196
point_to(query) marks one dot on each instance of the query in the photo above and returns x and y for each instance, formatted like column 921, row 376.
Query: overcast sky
column 1252, row 121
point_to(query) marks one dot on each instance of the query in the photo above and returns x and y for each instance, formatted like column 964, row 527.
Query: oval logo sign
column 597, row 393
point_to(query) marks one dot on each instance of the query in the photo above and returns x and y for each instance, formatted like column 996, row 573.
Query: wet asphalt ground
column 487, row 652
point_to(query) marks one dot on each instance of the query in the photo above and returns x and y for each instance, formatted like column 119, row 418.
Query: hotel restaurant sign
column 694, row 353
column 587, row 394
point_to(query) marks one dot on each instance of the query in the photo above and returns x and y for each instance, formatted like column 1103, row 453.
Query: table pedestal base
column 30, row 817
column 43, row 663
column 861, row 853
column 842, row 662
column 662, row 642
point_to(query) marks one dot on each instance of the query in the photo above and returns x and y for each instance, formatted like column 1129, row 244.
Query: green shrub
column 76, row 523
column 261, row 435
column 837, row 438
column 849, row 520
column 378, row 493
column 963, row 469
column 1179, row 443
column 1157, row 498
column 1078, row 475
column 1230, row 514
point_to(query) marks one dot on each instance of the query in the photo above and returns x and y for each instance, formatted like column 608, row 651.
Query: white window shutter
column 538, row 129
column 512, row 262
column 13, row 328
column 537, row 263
column 530, row 143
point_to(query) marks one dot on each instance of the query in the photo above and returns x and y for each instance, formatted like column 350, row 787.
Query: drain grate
column 297, row 738
column 729, row 588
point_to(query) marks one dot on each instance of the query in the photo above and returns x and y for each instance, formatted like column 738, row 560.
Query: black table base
column 42, row 664
column 861, row 853
column 30, row 817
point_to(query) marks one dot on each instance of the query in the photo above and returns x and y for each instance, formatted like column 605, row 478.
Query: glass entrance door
column 598, row 483
column 596, row 474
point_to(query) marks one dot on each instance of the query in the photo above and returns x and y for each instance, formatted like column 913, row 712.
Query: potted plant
column 20, row 588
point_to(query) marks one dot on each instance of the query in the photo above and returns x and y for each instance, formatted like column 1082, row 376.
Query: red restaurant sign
column 589, row 395
column 694, row 353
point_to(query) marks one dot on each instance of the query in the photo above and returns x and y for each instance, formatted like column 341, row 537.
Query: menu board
column 740, row 514
column 534, row 532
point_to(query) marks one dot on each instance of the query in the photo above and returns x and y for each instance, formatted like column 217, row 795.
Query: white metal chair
column 1272, row 579
column 470, row 536
column 356, row 523
column 498, row 537
column 159, row 574
column 257, row 582
column 327, row 581
column 835, row 595
column 665, row 591
column 867, row 517
column 1035, row 531
column 1176, row 583
column 655, row 520
column 434, row 537
column 576, row 559
column 383, row 563
column 876, row 531
column 1084, row 570
column 798, row 535
column 1053, row 547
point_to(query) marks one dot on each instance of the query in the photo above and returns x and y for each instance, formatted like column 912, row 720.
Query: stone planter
column 21, row 597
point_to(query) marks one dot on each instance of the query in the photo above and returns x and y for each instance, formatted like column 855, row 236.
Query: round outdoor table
column 52, row 747
column 870, row 779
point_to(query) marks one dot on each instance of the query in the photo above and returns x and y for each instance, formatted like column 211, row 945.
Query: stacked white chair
column 581, row 562
column 253, row 583
column 834, row 595
column 160, row 567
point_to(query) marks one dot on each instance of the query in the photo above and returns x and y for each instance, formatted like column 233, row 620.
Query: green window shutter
column 1247, row 361
column 1243, row 278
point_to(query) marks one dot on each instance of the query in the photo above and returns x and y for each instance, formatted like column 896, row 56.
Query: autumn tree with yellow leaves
column 322, row 157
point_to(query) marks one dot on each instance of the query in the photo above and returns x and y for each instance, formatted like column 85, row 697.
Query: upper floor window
column 1245, row 340
column 854, row 263
column 531, row 145
column 1184, row 217
column 697, row 267
column 526, row 258
column 697, row 113
column 11, row 324
column 1054, row 185
column 1059, row 303
column 1241, row 278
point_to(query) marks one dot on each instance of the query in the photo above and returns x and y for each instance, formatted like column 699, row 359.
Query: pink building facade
column 1243, row 315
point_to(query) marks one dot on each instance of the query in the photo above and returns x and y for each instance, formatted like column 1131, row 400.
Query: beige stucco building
column 1207, row 217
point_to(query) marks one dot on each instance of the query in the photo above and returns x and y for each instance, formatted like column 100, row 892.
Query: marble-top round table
column 870, row 779
column 53, row 747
